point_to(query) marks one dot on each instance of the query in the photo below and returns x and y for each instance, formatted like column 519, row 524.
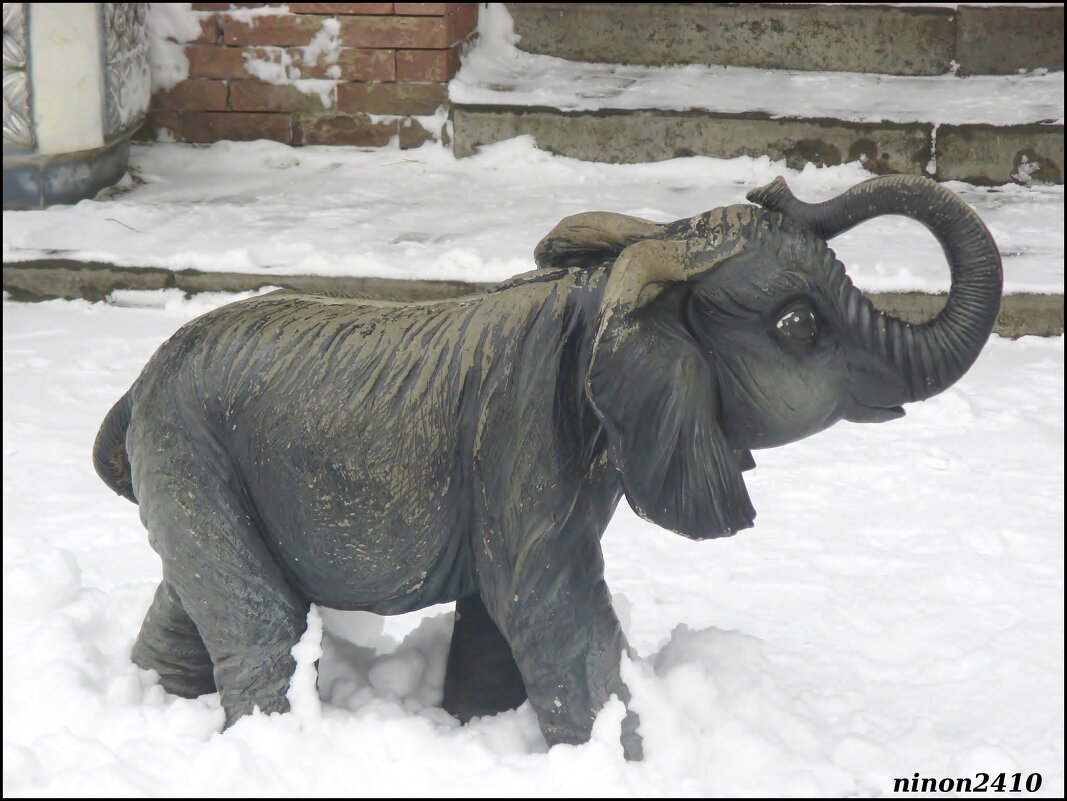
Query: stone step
column 908, row 39
column 984, row 155
column 986, row 130
column 1021, row 314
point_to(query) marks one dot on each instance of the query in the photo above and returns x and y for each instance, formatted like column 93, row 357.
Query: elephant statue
column 294, row 449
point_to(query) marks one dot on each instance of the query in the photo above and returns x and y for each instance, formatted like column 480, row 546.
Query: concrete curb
column 1023, row 314
column 48, row 279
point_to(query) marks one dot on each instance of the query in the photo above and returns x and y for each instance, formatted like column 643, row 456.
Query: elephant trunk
column 932, row 356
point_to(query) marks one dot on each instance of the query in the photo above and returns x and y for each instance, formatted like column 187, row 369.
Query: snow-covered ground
column 267, row 208
column 496, row 72
column 897, row 609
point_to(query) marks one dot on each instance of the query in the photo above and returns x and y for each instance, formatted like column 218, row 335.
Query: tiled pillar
column 76, row 87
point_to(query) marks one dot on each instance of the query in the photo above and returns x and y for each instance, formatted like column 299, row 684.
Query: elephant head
column 739, row 329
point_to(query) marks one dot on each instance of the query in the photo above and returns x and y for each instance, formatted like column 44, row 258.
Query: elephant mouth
column 861, row 413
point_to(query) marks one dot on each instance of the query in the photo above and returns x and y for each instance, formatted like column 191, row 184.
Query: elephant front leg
column 481, row 677
column 557, row 616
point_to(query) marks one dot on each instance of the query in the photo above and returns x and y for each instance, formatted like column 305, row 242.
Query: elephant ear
column 656, row 394
column 592, row 237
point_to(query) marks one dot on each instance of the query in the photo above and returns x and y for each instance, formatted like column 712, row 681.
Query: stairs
column 970, row 93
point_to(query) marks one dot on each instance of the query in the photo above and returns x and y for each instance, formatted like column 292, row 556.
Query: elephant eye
column 798, row 323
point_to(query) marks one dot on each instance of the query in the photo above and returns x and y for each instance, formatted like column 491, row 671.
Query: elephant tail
column 109, row 451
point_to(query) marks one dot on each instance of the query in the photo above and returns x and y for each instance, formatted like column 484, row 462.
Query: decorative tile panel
column 18, row 128
column 128, row 83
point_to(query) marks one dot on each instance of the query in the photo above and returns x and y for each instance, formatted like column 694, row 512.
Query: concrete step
column 893, row 40
column 986, row 130
column 1021, row 314
column 984, row 155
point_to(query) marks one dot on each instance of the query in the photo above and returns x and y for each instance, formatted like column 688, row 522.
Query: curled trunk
column 933, row 355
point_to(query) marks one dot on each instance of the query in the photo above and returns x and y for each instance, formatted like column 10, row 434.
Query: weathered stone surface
column 638, row 136
column 896, row 41
column 979, row 154
column 193, row 281
column 1006, row 39
column 62, row 278
column 45, row 279
column 857, row 38
column 991, row 155
column 1022, row 314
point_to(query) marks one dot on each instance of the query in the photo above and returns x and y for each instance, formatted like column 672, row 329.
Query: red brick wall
column 395, row 59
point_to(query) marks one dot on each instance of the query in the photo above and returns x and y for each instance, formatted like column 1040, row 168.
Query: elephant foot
column 481, row 677
column 254, row 680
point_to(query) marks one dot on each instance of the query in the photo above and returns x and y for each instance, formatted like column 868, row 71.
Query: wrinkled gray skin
column 293, row 449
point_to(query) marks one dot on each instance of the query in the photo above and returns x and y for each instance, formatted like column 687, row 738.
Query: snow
column 898, row 608
column 496, row 72
column 267, row 208
column 251, row 14
column 303, row 692
column 274, row 64
column 170, row 25
column 325, row 44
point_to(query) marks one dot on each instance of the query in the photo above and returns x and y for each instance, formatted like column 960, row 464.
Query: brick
column 210, row 61
column 342, row 129
column 462, row 22
column 357, row 64
column 255, row 95
column 413, row 135
column 398, row 32
column 391, row 98
column 422, row 65
column 213, row 126
column 210, row 30
column 424, row 9
column 281, row 30
column 228, row 6
column 198, row 94
column 157, row 121
column 341, row 8
column 427, row 65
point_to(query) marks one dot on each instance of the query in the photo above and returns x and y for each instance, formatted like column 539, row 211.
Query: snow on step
column 496, row 72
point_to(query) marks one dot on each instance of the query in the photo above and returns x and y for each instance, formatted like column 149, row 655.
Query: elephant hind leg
column 215, row 560
column 170, row 644
column 481, row 677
